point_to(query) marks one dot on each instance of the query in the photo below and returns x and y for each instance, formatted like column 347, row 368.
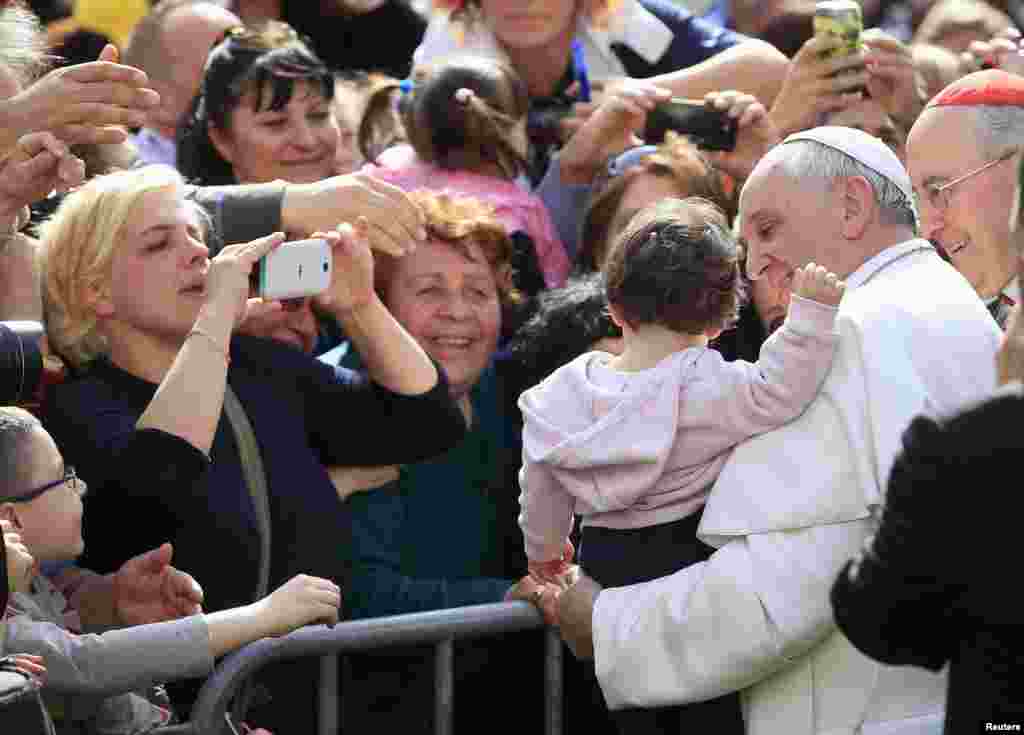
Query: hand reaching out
column 816, row 283
column 93, row 102
column 147, row 589
column 302, row 600
column 352, row 270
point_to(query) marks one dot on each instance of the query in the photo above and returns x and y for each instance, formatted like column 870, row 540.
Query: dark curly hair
column 266, row 62
column 676, row 267
column 567, row 322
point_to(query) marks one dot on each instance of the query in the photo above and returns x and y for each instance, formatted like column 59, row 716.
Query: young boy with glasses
column 93, row 682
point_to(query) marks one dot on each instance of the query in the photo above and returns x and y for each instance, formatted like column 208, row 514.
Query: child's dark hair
column 676, row 266
column 452, row 129
column 16, row 425
column 268, row 62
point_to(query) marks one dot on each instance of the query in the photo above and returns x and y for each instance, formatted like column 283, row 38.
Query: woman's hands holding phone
column 352, row 272
column 227, row 280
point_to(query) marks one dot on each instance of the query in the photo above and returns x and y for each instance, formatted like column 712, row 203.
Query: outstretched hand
column 93, row 102
column 147, row 589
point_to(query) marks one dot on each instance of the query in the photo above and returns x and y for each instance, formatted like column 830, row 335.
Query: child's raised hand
column 816, row 283
column 302, row 600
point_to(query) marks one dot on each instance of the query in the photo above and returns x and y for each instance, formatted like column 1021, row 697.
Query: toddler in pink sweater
column 633, row 443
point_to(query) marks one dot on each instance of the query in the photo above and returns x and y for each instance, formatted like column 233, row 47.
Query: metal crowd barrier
column 440, row 627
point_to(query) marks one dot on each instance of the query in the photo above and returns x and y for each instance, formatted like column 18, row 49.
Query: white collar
column 873, row 265
column 631, row 24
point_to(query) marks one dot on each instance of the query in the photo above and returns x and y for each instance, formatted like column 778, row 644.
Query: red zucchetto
column 990, row 87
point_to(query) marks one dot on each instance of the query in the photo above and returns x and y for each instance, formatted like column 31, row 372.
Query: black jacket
column 938, row 583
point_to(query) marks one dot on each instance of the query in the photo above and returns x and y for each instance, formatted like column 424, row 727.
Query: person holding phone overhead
column 619, row 39
column 146, row 319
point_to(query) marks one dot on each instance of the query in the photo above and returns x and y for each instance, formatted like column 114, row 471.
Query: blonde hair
column 77, row 247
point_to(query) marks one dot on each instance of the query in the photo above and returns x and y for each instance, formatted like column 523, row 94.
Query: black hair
column 683, row 276
column 566, row 323
column 268, row 63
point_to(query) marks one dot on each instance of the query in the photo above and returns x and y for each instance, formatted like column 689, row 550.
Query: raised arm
column 198, row 375
column 751, row 398
column 752, row 66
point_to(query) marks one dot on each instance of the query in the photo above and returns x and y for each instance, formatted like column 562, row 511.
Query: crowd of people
column 708, row 410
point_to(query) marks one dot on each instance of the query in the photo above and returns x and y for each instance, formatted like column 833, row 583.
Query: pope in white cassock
column 793, row 505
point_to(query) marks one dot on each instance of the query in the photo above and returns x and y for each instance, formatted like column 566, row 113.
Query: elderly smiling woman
column 146, row 318
column 442, row 532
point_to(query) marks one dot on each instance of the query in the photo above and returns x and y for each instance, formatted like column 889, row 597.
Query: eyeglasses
column 69, row 480
column 938, row 196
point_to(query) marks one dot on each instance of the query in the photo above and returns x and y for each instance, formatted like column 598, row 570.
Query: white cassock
column 790, row 508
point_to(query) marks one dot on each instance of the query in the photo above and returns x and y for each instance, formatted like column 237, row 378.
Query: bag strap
column 255, row 479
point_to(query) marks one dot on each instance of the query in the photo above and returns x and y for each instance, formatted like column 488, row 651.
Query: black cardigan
column 147, row 487
column 939, row 582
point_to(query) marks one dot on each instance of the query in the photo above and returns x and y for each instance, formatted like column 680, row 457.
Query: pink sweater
column 636, row 449
column 518, row 210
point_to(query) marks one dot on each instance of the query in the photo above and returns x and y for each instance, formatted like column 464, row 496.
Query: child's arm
column 302, row 600
column 745, row 399
column 546, row 520
column 127, row 659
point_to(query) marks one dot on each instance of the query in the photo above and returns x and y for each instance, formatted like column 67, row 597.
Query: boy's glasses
column 70, row 480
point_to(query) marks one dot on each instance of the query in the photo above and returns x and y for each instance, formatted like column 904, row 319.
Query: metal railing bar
column 356, row 635
column 444, row 687
column 327, row 695
column 553, row 683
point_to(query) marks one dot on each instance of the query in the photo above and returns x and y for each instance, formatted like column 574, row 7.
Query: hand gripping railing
column 440, row 627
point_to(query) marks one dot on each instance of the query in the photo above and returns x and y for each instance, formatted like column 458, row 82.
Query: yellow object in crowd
column 111, row 18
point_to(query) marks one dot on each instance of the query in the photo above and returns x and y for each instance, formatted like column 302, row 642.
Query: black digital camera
column 21, row 362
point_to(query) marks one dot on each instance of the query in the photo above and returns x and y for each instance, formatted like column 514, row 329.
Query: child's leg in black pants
column 621, row 557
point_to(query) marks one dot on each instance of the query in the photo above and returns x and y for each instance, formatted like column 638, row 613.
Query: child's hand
column 554, row 571
column 818, row 284
column 302, row 600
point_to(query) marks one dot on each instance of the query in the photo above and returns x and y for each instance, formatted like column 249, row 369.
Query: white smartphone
column 295, row 270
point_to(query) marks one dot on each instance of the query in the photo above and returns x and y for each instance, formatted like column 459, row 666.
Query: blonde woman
column 134, row 303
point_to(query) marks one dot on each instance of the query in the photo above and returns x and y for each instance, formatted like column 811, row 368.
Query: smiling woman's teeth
column 453, row 341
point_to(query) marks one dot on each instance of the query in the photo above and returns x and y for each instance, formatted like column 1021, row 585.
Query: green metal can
column 842, row 19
